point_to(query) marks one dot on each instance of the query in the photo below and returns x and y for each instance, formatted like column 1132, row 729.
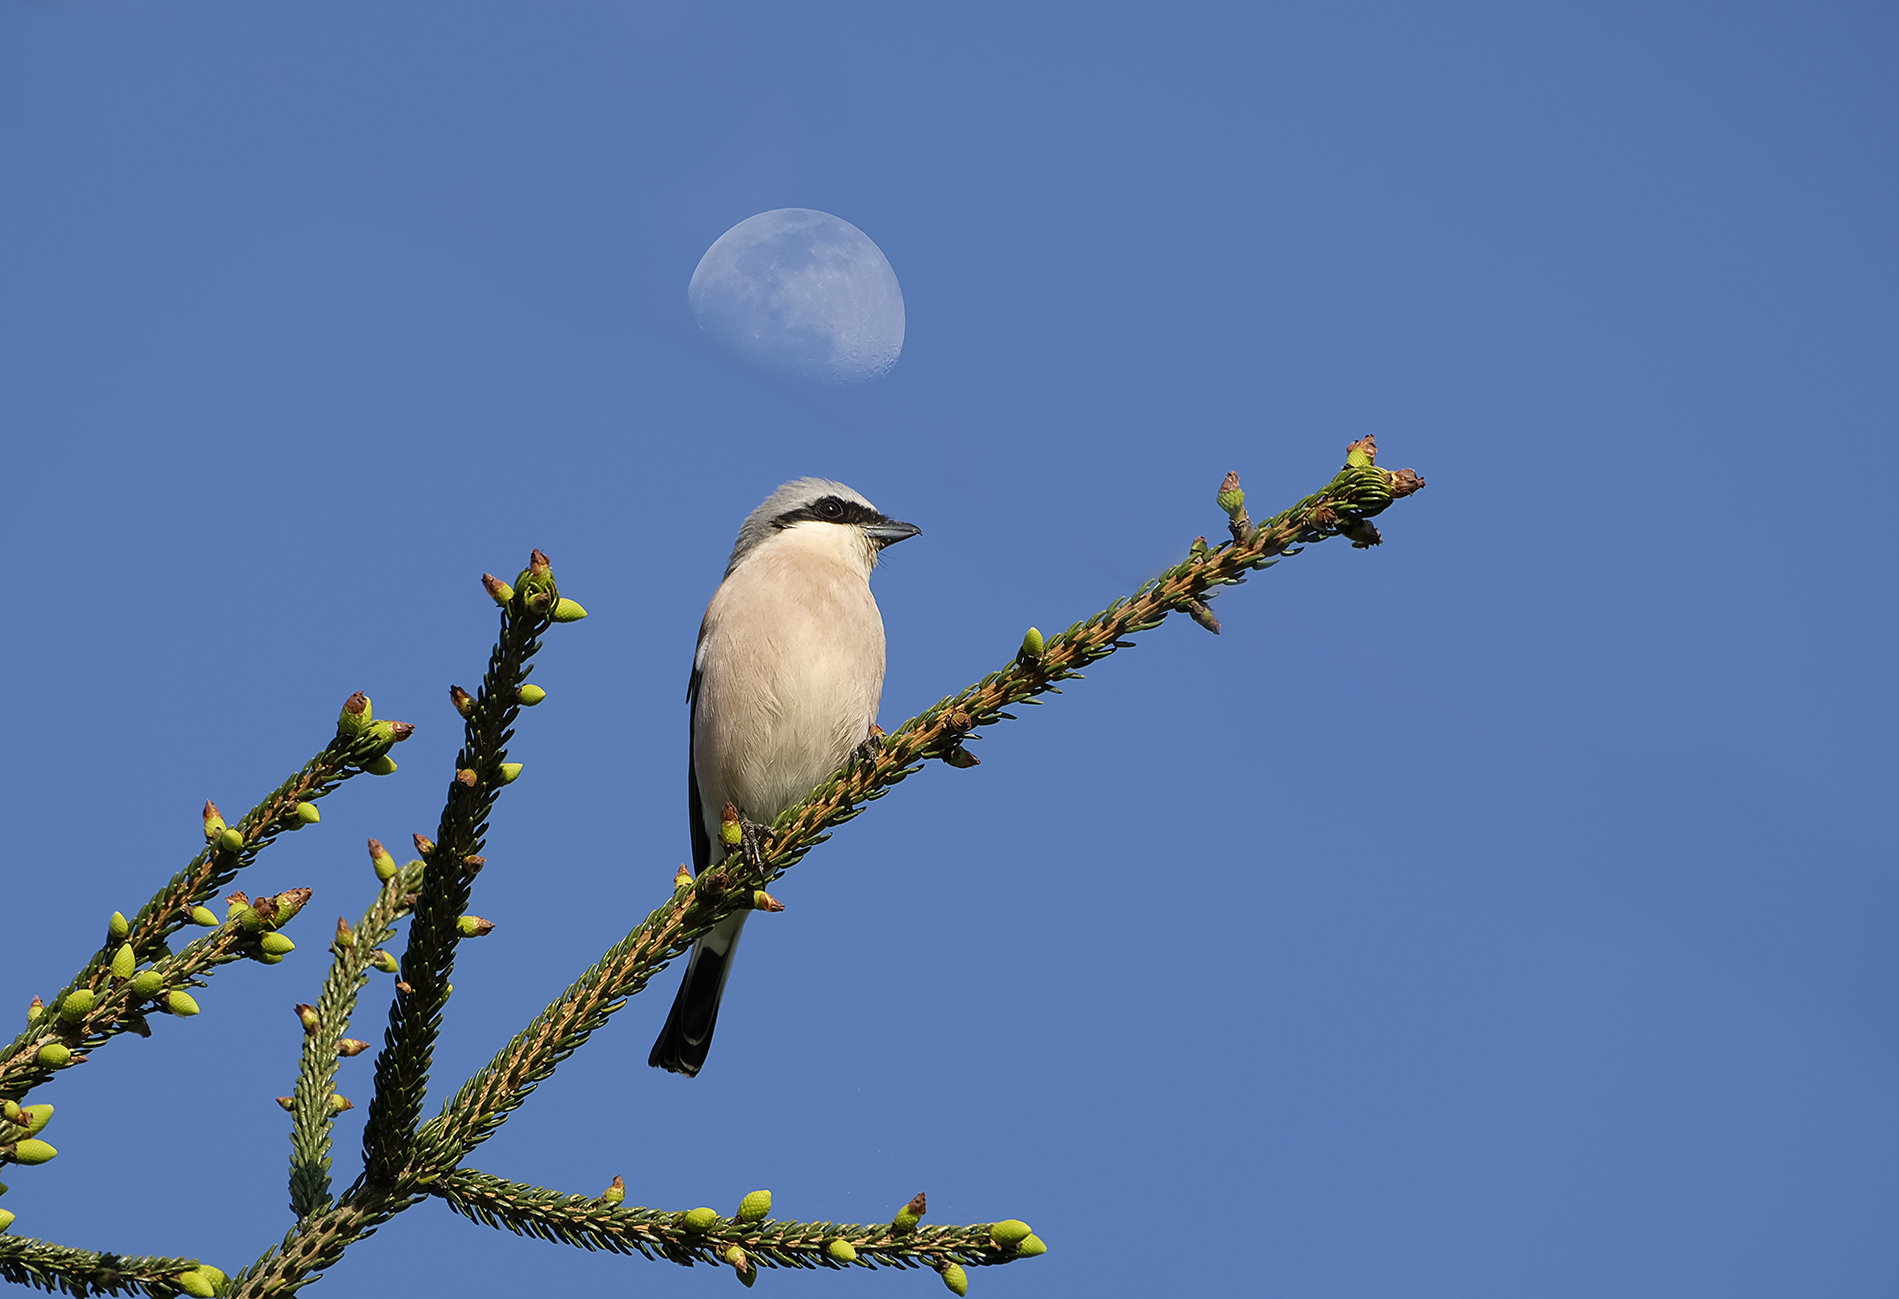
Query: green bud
column 907, row 1218
column 741, row 1265
column 1230, row 498
column 1009, row 1233
column 231, row 840
column 498, row 589
column 842, row 1251
column 213, row 821
column 338, row 1104
column 357, row 716
column 146, row 983
column 34, row 1118
column 509, row 771
column 213, row 1275
column 78, row 1005
column 731, row 833
column 1360, row 454
column 196, row 1284
column 383, row 766
column 10, row 1111
column 699, row 1221
column 1198, row 548
column 276, row 945
column 307, row 813
column 566, row 610
column 249, row 920
column 1032, row 643
column 1030, row 1247
column 34, row 1009
column 180, row 1003
column 530, row 695
column 204, row 916
column 392, row 732
column 32, row 1151
column 463, row 701
column 379, row 858
column 616, row 1193
column 270, row 958
column 6, row 1220
column 755, row 1206
column 956, row 1279
column 307, row 1016
column 119, row 926
column 124, row 962
column 474, row 927
column 56, row 1055
column 381, row 960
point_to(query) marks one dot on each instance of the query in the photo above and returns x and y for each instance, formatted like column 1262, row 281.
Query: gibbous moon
column 801, row 291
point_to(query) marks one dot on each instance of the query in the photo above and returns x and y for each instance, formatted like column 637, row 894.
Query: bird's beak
column 888, row 532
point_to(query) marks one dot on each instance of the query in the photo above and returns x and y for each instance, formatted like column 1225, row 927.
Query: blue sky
column 1508, row 910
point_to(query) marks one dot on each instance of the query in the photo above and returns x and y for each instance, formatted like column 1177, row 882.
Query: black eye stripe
column 829, row 509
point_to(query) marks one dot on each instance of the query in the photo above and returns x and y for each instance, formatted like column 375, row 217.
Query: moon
column 801, row 291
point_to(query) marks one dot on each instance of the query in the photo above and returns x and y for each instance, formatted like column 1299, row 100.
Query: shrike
column 785, row 684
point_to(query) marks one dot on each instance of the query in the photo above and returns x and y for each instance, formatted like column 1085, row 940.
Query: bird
column 786, row 680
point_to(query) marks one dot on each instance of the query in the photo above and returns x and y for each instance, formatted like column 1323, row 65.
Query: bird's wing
column 695, row 807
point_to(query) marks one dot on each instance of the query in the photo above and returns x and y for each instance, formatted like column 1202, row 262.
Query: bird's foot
column 872, row 746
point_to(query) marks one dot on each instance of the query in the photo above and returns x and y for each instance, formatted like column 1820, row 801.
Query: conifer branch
column 57, row 1268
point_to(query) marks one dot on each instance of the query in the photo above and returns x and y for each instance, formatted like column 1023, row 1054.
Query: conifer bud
column 682, row 878
column 356, row 717
column 204, row 916
column 961, row 757
column 699, row 1221
column 231, row 840
column 530, row 695
column 213, row 822
column 124, row 962
column 956, row 1279
column 510, row 771
column 566, row 610
column 842, row 1251
column 350, row 1046
column 6, row 1220
column 1230, row 498
column 616, row 1193
column 34, row 1009
column 307, row 1016
column 755, row 1206
column 1361, row 453
column 345, row 936
column 423, row 845
column 1008, row 1233
column 381, row 960
column 340, row 1103
column 731, row 831
column 379, row 858
column 146, row 983
column 392, row 732
column 1031, row 1247
column 55, row 1055
column 740, row 1264
column 381, row 766
column 34, row 1118
column 10, row 1111
column 180, row 1003
column 213, row 1275
column 497, row 589
column 463, row 701
column 286, row 1103
column 78, row 1005
column 276, row 944
column 763, row 901
column 908, row 1216
column 196, row 1284
column 307, row 813
column 474, row 927
column 118, row 926
column 1032, row 643
column 1198, row 548
column 31, row 1151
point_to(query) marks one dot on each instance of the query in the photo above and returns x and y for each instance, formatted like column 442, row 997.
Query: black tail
column 683, row 1043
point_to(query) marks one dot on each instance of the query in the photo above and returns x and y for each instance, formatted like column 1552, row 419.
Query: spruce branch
column 226, row 853
column 312, row 1113
column 527, row 609
column 63, row 1270
column 592, row 1222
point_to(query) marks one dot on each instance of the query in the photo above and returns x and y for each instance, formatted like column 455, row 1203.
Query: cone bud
column 307, row 1016
column 196, row 1284
column 78, row 1005
column 509, row 772
column 956, row 1279
column 286, row 1103
column 275, row 944
column 961, row 757
column 118, row 926
column 1032, row 643
column 146, row 983
column 763, row 901
column 616, row 1193
column 498, row 590
column 1362, row 453
column 699, row 1221
column 308, row 814
column 731, row 831
column 379, row 858
column 381, row 766
column 755, row 1206
column 204, row 916
column 1230, row 498
column 32, row 1151
column 56, row 1055
column 34, row 1118
column 289, row 902
column 682, row 878
column 1030, row 1247
column 842, row 1251
column 213, row 822
column 6, row 1220
column 474, row 927
column 34, row 1009
column 10, row 1111
column 423, row 845
column 463, row 701
column 1009, row 1233
column 231, row 840
column 1198, row 548
column 566, row 610
column 908, row 1217
column 350, row 1046
column 356, row 716
column 124, row 962
column 340, row 1103
column 213, row 1275
column 736, row 1257
column 381, row 960
column 530, row 695
column 180, row 1003
column 345, row 936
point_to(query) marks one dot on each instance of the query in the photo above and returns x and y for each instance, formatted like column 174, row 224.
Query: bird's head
column 823, row 513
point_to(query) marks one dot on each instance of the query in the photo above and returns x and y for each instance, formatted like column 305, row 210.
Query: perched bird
column 785, row 686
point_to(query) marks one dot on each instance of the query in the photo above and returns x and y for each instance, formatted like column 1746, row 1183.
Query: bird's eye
column 830, row 509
